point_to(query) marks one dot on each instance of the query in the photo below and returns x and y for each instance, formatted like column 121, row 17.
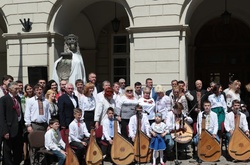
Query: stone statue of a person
column 69, row 66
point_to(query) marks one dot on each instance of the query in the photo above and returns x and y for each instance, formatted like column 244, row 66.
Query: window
column 120, row 58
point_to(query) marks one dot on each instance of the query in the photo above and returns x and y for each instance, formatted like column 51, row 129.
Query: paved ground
column 187, row 159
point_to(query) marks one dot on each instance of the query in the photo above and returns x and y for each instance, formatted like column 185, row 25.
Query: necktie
column 79, row 128
column 40, row 105
column 16, row 106
column 111, row 128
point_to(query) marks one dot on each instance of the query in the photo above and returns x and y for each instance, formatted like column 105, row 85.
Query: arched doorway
column 222, row 52
column 3, row 50
column 97, row 40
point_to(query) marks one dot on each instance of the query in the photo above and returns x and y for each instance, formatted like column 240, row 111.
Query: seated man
column 175, row 121
column 231, row 118
column 211, row 122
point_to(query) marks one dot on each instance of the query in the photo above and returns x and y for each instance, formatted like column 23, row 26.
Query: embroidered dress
column 218, row 105
column 157, row 143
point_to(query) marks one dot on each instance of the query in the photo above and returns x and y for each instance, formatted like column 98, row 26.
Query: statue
column 69, row 66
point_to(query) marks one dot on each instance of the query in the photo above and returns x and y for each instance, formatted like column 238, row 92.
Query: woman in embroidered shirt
column 148, row 105
column 178, row 96
column 158, row 132
column 87, row 105
column 51, row 97
column 163, row 102
column 218, row 104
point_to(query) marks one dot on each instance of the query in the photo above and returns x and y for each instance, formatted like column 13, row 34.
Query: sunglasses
column 129, row 90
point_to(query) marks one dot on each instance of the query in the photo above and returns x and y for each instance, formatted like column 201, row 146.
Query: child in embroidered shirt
column 54, row 142
column 158, row 132
column 78, row 135
column 144, row 123
column 108, row 131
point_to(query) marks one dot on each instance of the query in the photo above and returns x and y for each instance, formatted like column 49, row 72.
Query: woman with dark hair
column 218, row 104
column 87, row 105
column 52, row 84
column 28, row 93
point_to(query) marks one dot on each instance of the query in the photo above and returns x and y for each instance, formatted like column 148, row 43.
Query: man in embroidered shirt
column 211, row 122
column 231, row 118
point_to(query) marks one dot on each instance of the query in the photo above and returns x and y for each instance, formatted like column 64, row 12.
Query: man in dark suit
column 66, row 104
column 173, row 84
column 11, row 124
column 149, row 84
column 200, row 95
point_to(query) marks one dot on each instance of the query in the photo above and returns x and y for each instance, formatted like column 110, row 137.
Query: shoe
column 162, row 163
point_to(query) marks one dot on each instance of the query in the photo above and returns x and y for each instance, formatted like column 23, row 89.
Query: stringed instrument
column 141, row 145
column 94, row 153
column 184, row 134
column 239, row 144
column 209, row 149
column 71, row 158
column 122, row 151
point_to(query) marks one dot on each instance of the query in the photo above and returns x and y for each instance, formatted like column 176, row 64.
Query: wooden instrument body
column 94, row 153
column 71, row 158
column 183, row 135
column 209, row 149
column 145, row 153
column 239, row 144
column 122, row 151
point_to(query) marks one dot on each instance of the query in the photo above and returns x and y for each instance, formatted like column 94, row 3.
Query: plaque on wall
column 36, row 73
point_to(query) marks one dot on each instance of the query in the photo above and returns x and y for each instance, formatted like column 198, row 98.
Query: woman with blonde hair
column 87, row 104
column 148, row 105
column 163, row 102
column 125, row 109
column 51, row 98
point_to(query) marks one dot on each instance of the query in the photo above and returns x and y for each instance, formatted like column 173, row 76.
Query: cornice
column 143, row 29
column 10, row 36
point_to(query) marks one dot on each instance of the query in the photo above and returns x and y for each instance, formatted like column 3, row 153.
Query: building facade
column 160, row 39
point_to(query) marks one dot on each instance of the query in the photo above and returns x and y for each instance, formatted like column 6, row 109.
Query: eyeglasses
column 129, row 90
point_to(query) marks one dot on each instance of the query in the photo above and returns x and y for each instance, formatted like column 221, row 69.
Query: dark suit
column 194, row 104
column 66, row 107
column 9, row 124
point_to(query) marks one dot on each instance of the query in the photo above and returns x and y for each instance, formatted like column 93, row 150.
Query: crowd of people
column 67, row 112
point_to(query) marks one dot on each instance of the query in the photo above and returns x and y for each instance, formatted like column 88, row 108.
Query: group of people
column 67, row 112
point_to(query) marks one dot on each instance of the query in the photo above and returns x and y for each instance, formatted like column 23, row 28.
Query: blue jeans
column 196, row 139
column 169, row 142
column 60, row 156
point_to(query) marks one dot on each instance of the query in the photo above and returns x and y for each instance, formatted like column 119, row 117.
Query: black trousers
column 80, row 151
column 13, row 149
column 89, row 119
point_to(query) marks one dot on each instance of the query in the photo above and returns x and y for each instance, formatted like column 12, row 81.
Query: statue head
column 71, row 43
